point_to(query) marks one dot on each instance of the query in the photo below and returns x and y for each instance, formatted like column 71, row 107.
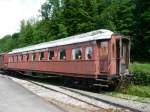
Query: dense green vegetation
column 143, row 67
column 141, row 74
column 143, row 91
column 139, row 85
column 62, row 18
column 134, row 92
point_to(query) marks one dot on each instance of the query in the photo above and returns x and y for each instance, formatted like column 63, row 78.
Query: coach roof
column 89, row 36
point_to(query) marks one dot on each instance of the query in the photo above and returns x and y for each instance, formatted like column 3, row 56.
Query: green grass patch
column 143, row 67
column 142, row 91
column 133, row 92
column 138, row 88
column 141, row 73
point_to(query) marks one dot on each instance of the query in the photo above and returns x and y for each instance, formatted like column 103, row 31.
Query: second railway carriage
column 99, row 54
column 3, row 61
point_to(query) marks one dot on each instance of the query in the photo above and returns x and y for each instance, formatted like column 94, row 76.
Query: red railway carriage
column 97, row 54
column 3, row 61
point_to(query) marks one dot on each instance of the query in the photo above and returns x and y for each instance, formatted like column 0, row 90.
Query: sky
column 13, row 11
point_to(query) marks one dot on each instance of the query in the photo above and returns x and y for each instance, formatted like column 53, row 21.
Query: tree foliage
column 62, row 18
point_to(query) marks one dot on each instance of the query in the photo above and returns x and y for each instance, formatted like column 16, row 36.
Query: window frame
column 52, row 58
column 73, row 53
column 42, row 56
column 17, row 58
column 34, row 56
column 21, row 57
column 10, row 59
column 86, row 53
column 59, row 54
column 27, row 57
column 14, row 58
column 104, row 48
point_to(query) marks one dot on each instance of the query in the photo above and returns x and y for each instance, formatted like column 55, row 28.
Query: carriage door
column 104, row 57
column 122, row 56
column 118, row 56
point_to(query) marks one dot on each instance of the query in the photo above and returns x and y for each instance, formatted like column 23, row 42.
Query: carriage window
column 41, row 56
column 9, row 59
column 89, row 53
column 33, row 56
column 77, row 53
column 17, row 58
column 27, row 56
column 62, row 54
column 51, row 55
column 21, row 58
column 13, row 60
column 104, row 48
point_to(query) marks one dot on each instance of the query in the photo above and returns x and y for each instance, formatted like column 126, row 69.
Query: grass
column 141, row 73
column 132, row 96
column 133, row 92
column 143, row 67
column 142, row 91
column 139, row 89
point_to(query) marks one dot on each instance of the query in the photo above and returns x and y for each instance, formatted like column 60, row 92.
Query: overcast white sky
column 13, row 11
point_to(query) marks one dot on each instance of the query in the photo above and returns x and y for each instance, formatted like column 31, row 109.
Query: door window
column 104, row 48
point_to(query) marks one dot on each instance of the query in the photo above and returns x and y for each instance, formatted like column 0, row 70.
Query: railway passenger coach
column 99, row 54
column 3, row 61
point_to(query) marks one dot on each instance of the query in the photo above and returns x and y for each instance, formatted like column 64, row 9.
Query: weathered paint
column 3, row 60
column 84, row 68
column 93, row 68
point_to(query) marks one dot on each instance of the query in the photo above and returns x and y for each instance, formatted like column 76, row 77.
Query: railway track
column 72, row 96
column 78, row 96
column 83, row 93
column 82, row 96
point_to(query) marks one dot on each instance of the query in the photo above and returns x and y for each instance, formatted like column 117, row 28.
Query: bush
column 141, row 74
column 142, row 91
column 139, row 84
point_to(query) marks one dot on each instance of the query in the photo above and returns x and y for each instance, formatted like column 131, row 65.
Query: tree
column 6, row 43
column 15, row 40
column 26, row 33
column 62, row 18
column 141, row 40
